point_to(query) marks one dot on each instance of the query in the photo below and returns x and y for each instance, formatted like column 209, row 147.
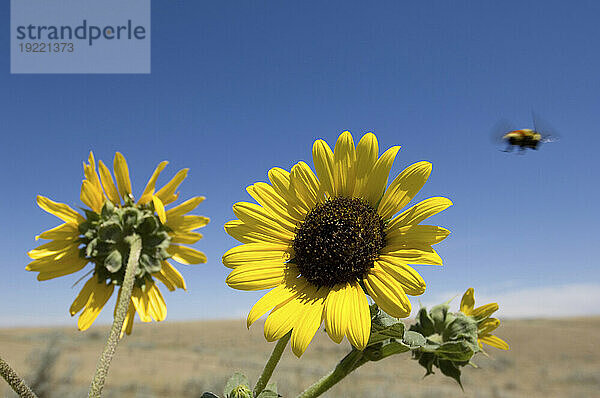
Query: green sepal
column 438, row 316
column 114, row 261
column 110, row 232
column 449, row 369
column 90, row 248
column 238, row 386
column 461, row 327
column 107, row 210
column 424, row 323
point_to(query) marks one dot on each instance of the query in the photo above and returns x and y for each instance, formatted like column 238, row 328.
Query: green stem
column 135, row 247
column 271, row 364
column 349, row 363
column 15, row 381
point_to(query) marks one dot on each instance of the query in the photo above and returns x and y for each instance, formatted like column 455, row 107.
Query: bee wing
column 548, row 133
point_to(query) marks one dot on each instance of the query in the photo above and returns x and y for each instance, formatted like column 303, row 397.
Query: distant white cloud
column 541, row 301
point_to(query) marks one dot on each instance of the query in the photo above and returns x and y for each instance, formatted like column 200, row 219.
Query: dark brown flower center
column 338, row 242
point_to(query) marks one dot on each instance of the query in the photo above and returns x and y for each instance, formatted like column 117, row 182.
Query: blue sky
column 237, row 88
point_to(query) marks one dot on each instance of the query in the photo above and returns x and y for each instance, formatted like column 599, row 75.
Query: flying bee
column 524, row 138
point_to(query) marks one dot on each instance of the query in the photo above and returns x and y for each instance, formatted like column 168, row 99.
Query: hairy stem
column 349, row 363
column 15, row 381
column 135, row 243
column 271, row 364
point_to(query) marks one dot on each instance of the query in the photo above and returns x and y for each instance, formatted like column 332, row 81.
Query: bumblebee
column 525, row 138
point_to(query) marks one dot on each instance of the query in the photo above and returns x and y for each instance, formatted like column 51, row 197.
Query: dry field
column 548, row 358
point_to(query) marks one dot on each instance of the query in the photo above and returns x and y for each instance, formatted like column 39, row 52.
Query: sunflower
column 486, row 325
column 99, row 237
column 322, row 243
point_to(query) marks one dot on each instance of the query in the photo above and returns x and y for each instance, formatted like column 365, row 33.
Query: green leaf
column 113, row 261
column 272, row 387
column 384, row 327
column 209, row 395
column 413, row 339
column 235, row 381
column 268, row 394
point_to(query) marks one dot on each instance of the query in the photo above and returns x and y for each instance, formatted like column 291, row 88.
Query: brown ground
column 548, row 358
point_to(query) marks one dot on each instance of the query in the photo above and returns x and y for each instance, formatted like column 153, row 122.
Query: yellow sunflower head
column 325, row 241
column 485, row 324
column 101, row 235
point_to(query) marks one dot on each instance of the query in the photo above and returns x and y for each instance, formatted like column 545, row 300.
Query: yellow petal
column 167, row 193
column 359, row 324
column 129, row 318
column 141, row 303
column 367, row 152
column 84, row 295
column 252, row 253
column 151, row 185
column 377, row 181
column 122, row 175
column 247, row 234
column 467, row 303
column 51, row 274
column 89, row 171
column 323, row 161
column 425, row 255
column 282, row 319
column 257, row 276
column 412, row 283
column 270, row 200
column 336, row 318
column 185, row 207
column 305, row 186
column 158, row 308
column 91, row 197
column 415, row 235
column 255, row 216
column 185, row 237
column 53, row 248
column 108, row 184
column 173, row 275
column 488, row 325
column 60, row 210
column 387, row 293
column 186, row 255
column 276, row 297
column 68, row 260
column 306, row 327
column 344, row 159
column 186, row 223
column 159, row 208
column 419, row 212
column 485, row 311
column 495, row 342
column 100, row 295
column 64, row 231
column 404, row 187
